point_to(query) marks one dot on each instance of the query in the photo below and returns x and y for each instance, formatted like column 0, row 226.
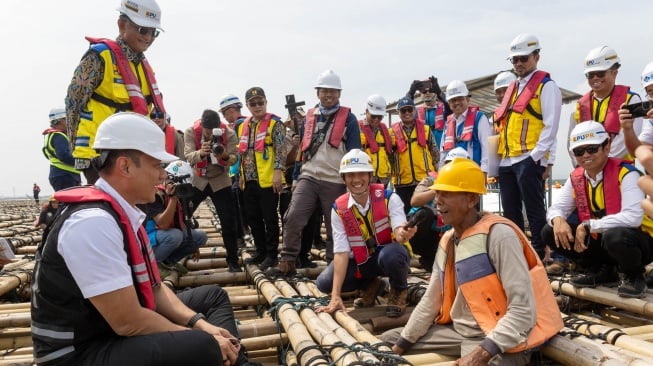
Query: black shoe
column 255, row 259
column 633, row 287
column 606, row 275
column 234, row 267
column 304, row 262
column 267, row 263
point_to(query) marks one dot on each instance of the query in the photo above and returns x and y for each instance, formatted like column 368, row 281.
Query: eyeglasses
column 598, row 74
column 591, row 149
column 406, row 110
column 376, row 116
column 515, row 59
column 155, row 116
column 256, row 104
column 145, row 30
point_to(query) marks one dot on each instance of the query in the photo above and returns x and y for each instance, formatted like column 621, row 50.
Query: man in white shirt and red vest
column 489, row 301
column 528, row 119
column 328, row 132
column 614, row 235
column 370, row 239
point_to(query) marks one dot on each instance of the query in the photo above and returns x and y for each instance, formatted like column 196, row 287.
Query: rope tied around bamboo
column 386, row 358
column 575, row 323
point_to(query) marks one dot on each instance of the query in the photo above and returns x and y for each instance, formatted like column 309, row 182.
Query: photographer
column 435, row 110
column 210, row 147
column 173, row 237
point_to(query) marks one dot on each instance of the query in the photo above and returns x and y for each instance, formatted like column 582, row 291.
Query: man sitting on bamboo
column 369, row 227
column 489, row 300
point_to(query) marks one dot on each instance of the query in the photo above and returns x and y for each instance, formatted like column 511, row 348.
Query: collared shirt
column 631, row 213
column 483, row 131
column 340, row 241
column 646, row 136
column 551, row 101
column 87, row 77
column 92, row 245
column 249, row 157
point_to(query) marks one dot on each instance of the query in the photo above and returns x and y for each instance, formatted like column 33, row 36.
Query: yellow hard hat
column 460, row 175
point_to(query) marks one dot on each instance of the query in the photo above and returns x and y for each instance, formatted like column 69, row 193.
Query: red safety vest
column 138, row 102
column 439, row 115
column 380, row 216
column 611, row 122
column 197, row 130
column 468, row 128
column 259, row 142
column 402, row 145
column 337, row 132
column 370, row 138
column 170, row 139
column 524, row 98
column 611, row 191
column 145, row 272
column 178, row 210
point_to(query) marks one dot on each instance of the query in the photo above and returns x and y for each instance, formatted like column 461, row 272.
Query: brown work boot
column 368, row 294
column 396, row 303
column 283, row 268
column 557, row 268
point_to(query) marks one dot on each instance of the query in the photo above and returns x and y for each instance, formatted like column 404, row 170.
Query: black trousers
column 262, row 218
column 224, row 203
column 189, row 347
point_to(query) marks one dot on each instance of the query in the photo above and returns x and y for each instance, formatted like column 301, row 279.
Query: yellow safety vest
column 265, row 158
column 412, row 165
column 522, row 131
column 50, row 153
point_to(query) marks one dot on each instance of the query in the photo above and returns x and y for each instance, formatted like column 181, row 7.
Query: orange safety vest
column 617, row 98
column 366, row 129
column 400, row 139
column 481, row 287
column 337, row 132
column 468, row 128
column 610, row 189
column 524, row 98
column 259, row 142
column 170, row 132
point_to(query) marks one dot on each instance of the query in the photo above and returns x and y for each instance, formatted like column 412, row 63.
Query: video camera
column 216, row 142
column 183, row 190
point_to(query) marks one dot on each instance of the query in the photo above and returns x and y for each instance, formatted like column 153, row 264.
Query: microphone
column 418, row 217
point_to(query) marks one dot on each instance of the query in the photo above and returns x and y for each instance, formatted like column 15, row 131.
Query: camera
column 216, row 145
column 424, row 86
column 371, row 243
column 183, row 190
column 640, row 109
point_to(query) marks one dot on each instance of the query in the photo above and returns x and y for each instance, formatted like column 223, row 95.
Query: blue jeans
column 390, row 260
column 171, row 244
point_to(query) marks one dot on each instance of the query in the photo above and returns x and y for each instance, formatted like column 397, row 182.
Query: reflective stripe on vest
column 380, row 216
column 51, row 154
column 468, row 128
column 337, row 132
column 610, row 121
column 524, row 98
column 481, row 287
column 264, row 140
column 261, row 132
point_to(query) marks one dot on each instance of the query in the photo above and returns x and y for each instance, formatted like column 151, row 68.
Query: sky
column 211, row 48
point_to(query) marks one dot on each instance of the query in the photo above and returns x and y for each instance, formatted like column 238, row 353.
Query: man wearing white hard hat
column 603, row 101
column 329, row 131
column 56, row 148
column 627, row 121
column 376, row 140
column 113, row 76
column 174, row 137
column 97, row 298
column 466, row 127
column 614, row 235
column 528, row 119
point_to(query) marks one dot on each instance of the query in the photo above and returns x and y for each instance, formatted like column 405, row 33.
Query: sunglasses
column 155, row 115
column 515, row 59
column 376, row 116
column 590, row 149
column 406, row 110
column 598, row 74
column 145, row 30
column 256, row 104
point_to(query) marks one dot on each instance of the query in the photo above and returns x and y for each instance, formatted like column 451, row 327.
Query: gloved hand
column 435, row 87
column 413, row 89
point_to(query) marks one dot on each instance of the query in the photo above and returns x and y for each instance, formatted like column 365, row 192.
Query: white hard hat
column 587, row 133
column 132, row 131
column 457, row 152
column 647, row 75
column 524, row 44
column 504, row 79
column 181, row 170
column 376, row 105
column 456, row 88
column 145, row 13
column 57, row 113
column 601, row 59
column 328, row 79
column 356, row 161
column 229, row 100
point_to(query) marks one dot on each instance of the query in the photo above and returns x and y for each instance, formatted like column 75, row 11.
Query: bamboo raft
column 278, row 323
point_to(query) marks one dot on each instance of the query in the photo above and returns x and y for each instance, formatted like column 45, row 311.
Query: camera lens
column 647, row 104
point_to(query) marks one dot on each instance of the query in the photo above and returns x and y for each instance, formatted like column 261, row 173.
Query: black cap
column 254, row 92
column 210, row 119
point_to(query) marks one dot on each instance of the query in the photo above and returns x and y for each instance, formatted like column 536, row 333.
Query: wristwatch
column 193, row 320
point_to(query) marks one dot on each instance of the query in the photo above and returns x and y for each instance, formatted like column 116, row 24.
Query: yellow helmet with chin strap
column 460, row 175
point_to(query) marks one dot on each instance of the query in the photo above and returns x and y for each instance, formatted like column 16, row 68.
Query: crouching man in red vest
column 489, row 300
column 370, row 239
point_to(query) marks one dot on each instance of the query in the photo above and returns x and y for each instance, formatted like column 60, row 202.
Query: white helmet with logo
column 181, row 170
column 132, row 131
column 456, row 88
column 56, row 114
column 356, row 161
column 457, row 152
column 329, row 80
column 647, row 75
column 145, row 13
column 601, row 59
column 587, row 133
column 228, row 101
column 504, row 79
column 524, row 44
column 376, row 105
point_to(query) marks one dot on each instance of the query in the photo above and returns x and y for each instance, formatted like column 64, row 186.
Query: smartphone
column 424, row 86
column 640, row 109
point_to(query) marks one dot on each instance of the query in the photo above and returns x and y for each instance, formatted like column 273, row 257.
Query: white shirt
column 551, row 102
column 92, row 245
column 646, row 136
column 631, row 213
column 483, row 131
column 340, row 242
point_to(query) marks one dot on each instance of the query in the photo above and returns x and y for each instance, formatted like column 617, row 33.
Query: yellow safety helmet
column 460, row 175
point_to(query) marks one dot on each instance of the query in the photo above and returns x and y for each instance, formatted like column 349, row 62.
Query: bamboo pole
column 638, row 330
column 257, row 327
column 247, row 300
column 263, row 342
column 26, row 361
column 218, row 278
column 291, row 358
column 345, row 337
column 13, row 320
column 205, row 263
column 597, row 295
column 581, row 351
column 13, row 279
column 16, row 342
column 14, row 305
